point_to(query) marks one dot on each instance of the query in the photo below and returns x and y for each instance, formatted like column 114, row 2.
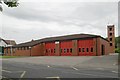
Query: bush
column 117, row 50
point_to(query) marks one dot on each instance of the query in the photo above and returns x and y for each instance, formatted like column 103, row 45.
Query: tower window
column 110, row 39
column 110, row 34
column 110, row 29
column 110, row 44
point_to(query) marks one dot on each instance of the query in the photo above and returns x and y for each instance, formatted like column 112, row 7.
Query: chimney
column 32, row 40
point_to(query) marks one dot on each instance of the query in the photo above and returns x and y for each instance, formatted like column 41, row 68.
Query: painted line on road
column 48, row 66
column 74, row 68
column 3, row 59
column 100, row 68
column 87, row 74
column 115, row 64
column 7, row 71
column 58, row 78
column 22, row 75
column 115, row 72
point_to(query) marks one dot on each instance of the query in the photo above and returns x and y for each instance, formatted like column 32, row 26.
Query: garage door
column 66, row 48
column 85, row 47
column 50, row 49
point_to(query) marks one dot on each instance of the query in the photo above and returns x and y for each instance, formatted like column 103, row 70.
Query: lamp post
column 30, row 49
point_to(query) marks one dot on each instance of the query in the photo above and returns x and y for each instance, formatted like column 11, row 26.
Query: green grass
column 9, row 56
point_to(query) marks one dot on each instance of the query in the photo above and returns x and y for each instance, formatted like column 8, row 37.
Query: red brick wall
column 101, row 42
column 37, row 50
column 17, row 52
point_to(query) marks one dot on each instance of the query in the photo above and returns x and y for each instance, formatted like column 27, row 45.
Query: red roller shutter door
column 50, row 49
column 65, row 47
column 85, row 47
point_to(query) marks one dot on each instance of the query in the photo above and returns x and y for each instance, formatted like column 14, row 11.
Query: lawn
column 9, row 56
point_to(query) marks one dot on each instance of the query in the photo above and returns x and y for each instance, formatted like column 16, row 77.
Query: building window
column 71, row 50
column 83, row 50
column 110, row 39
column 24, row 48
column 79, row 49
column 13, row 50
column 110, row 29
column 46, row 51
column 54, row 50
column 64, row 50
column 67, row 50
column 87, row 49
column 6, row 50
column 110, row 44
column 61, row 50
column 110, row 34
column 27, row 48
column 91, row 49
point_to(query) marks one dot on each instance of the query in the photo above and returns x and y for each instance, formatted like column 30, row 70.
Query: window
column 110, row 44
column 79, row 49
column 83, row 50
column 27, row 48
column 64, row 50
column 67, row 50
column 61, row 50
column 91, row 49
column 110, row 29
column 13, row 50
column 46, row 51
column 87, row 49
column 110, row 39
column 24, row 48
column 54, row 50
column 6, row 50
column 110, row 34
column 71, row 50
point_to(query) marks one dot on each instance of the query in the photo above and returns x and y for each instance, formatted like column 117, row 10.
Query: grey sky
column 35, row 20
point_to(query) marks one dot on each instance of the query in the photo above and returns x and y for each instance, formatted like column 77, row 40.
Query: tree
column 9, row 3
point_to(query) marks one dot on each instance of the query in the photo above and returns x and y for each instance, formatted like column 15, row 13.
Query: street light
column 30, row 49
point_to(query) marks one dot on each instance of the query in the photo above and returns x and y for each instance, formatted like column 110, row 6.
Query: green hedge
column 117, row 50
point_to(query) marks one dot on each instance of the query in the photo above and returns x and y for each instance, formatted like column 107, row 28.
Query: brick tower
column 111, row 38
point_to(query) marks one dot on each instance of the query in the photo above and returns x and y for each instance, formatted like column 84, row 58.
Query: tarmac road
column 12, row 69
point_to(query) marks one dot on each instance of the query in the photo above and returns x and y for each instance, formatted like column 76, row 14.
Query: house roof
column 3, row 40
column 10, row 42
column 59, row 38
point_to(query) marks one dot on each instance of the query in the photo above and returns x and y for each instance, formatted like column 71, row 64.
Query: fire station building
column 68, row 45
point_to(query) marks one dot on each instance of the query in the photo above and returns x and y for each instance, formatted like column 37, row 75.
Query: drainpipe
column 96, row 48
column 30, row 49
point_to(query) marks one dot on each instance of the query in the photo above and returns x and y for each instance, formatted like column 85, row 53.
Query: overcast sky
column 35, row 20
